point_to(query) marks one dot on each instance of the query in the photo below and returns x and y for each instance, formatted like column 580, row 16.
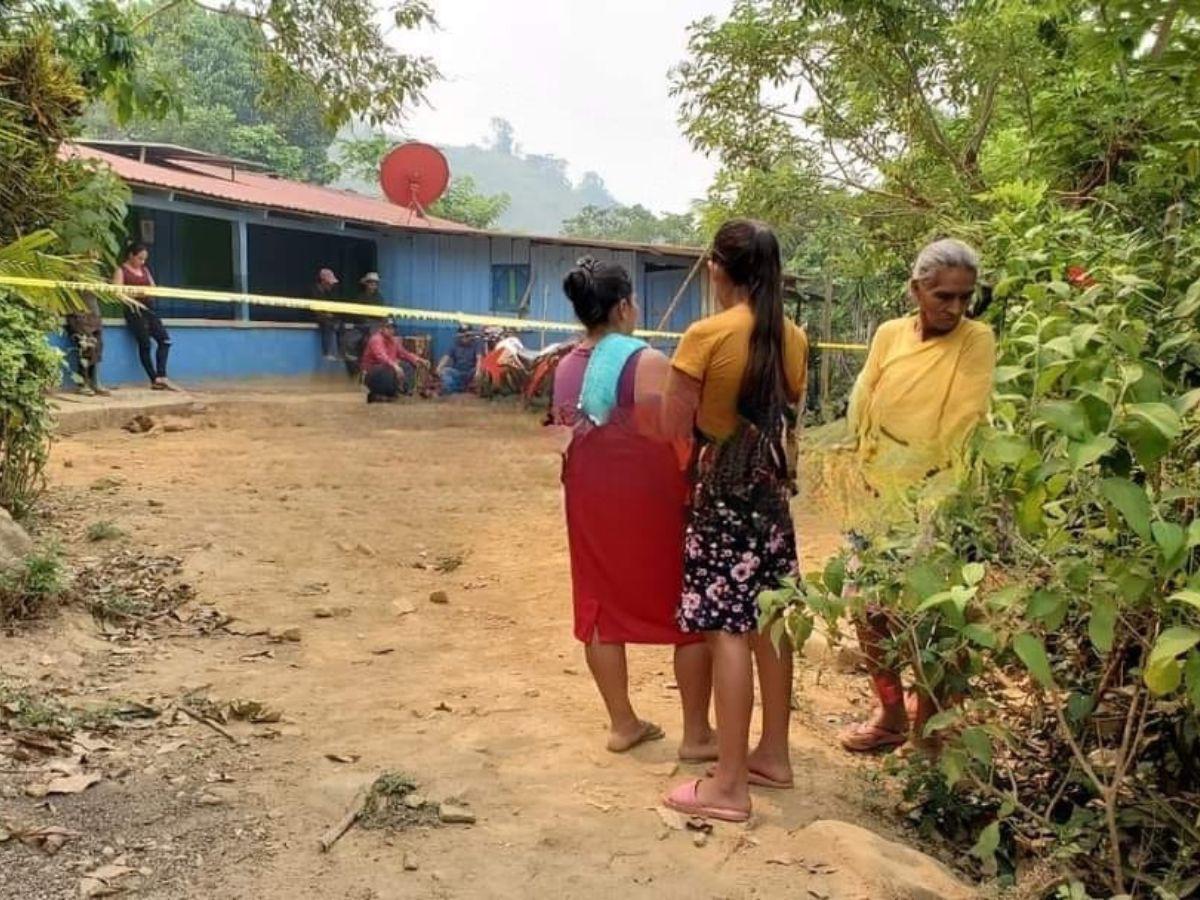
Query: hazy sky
column 584, row 81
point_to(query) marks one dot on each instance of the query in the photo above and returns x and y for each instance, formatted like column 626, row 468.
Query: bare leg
column 733, row 691
column 771, row 757
column 693, row 674
column 607, row 662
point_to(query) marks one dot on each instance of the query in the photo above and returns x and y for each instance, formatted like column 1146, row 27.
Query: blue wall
column 200, row 353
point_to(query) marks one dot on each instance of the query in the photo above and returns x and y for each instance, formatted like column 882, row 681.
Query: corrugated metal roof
column 222, row 180
column 233, row 185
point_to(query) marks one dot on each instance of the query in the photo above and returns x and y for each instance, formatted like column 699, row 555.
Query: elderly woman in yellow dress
column 925, row 386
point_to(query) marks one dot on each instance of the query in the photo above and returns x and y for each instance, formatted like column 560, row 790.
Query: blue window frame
column 509, row 286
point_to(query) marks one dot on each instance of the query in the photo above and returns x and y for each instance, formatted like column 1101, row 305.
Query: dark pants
column 330, row 327
column 145, row 324
column 383, row 384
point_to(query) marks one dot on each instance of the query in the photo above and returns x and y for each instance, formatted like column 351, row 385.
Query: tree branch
column 971, row 153
column 1165, row 24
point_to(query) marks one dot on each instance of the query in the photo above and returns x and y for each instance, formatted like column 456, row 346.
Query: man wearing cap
column 382, row 364
column 457, row 368
column 369, row 289
column 329, row 325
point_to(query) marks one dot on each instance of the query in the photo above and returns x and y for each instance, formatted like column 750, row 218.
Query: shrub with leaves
column 27, row 590
column 29, row 367
column 1051, row 606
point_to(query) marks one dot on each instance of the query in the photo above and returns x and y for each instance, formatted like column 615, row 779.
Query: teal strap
column 601, row 381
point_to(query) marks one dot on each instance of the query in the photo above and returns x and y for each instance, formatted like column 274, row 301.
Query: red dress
column 625, row 502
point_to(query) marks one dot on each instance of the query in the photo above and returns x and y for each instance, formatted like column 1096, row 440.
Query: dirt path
column 485, row 698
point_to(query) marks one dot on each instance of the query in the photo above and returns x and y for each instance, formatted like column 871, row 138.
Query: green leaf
column 1193, row 533
column 1131, row 501
column 1170, row 539
column 1190, row 303
column 1007, row 596
column 1065, row 416
column 935, row 600
column 1005, row 450
column 1146, row 441
column 981, row 635
column 1031, row 514
column 972, row 573
column 1191, row 672
column 1187, row 402
column 1189, row 596
column 1164, row 673
column 1087, row 452
column 1174, row 642
column 835, row 576
column 978, row 744
column 1159, row 416
column 941, row 721
column 1164, row 676
column 1005, row 374
column 1102, row 623
column 1047, row 607
column 987, row 844
column 924, row 580
column 1032, row 652
column 953, row 763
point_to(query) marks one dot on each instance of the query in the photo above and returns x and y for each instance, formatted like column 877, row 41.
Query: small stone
column 322, row 612
column 699, row 839
column 452, row 814
column 291, row 635
column 403, row 607
column 210, row 799
column 439, row 597
column 155, row 504
column 108, row 852
column 410, row 863
column 533, row 692
column 415, row 801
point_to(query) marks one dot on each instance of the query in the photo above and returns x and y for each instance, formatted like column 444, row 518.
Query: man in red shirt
column 383, row 372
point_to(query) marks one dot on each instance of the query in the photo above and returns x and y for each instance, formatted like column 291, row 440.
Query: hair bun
column 579, row 281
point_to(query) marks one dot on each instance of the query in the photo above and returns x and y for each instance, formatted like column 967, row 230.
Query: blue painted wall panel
column 214, row 353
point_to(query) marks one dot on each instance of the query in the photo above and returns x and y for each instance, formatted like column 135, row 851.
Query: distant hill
column 542, row 196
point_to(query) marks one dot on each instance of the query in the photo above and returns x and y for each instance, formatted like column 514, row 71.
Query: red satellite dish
column 414, row 175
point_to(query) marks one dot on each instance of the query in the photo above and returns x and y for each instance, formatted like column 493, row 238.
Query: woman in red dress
column 626, row 489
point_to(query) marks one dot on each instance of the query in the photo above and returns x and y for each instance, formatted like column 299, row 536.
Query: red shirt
column 385, row 349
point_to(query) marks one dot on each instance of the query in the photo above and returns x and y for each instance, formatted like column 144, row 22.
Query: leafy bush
column 1051, row 605
column 104, row 531
column 31, row 588
column 29, row 368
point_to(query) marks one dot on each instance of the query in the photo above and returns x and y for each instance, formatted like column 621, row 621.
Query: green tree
column 1055, row 592
column 632, row 223
column 464, row 203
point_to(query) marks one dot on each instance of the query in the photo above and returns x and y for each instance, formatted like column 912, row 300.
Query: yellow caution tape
column 336, row 307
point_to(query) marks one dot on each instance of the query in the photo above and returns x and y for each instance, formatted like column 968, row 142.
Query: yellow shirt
column 715, row 351
column 916, row 401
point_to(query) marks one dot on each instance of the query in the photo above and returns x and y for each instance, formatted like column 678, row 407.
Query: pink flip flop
column 685, row 799
column 760, row 780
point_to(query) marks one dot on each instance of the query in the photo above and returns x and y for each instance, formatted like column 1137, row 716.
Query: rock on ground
column 15, row 544
column 868, row 865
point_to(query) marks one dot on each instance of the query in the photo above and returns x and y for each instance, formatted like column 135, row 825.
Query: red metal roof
column 233, row 185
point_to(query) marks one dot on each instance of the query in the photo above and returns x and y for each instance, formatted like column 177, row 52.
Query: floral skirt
column 733, row 551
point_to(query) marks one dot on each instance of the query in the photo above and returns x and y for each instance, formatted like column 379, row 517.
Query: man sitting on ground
column 383, row 364
column 457, row 368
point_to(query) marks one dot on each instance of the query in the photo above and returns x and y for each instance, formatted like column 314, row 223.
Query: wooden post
column 679, row 293
column 826, row 355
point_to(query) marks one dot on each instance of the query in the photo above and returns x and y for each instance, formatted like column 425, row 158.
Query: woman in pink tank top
column 143, row 322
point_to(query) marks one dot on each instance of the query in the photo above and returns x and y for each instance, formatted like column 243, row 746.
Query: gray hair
column 947, row 253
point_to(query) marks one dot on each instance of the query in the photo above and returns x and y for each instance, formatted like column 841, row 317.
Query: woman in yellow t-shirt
column 923, row 389
column 736, row 379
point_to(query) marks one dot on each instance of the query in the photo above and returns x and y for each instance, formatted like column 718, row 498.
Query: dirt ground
column 281, row 505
